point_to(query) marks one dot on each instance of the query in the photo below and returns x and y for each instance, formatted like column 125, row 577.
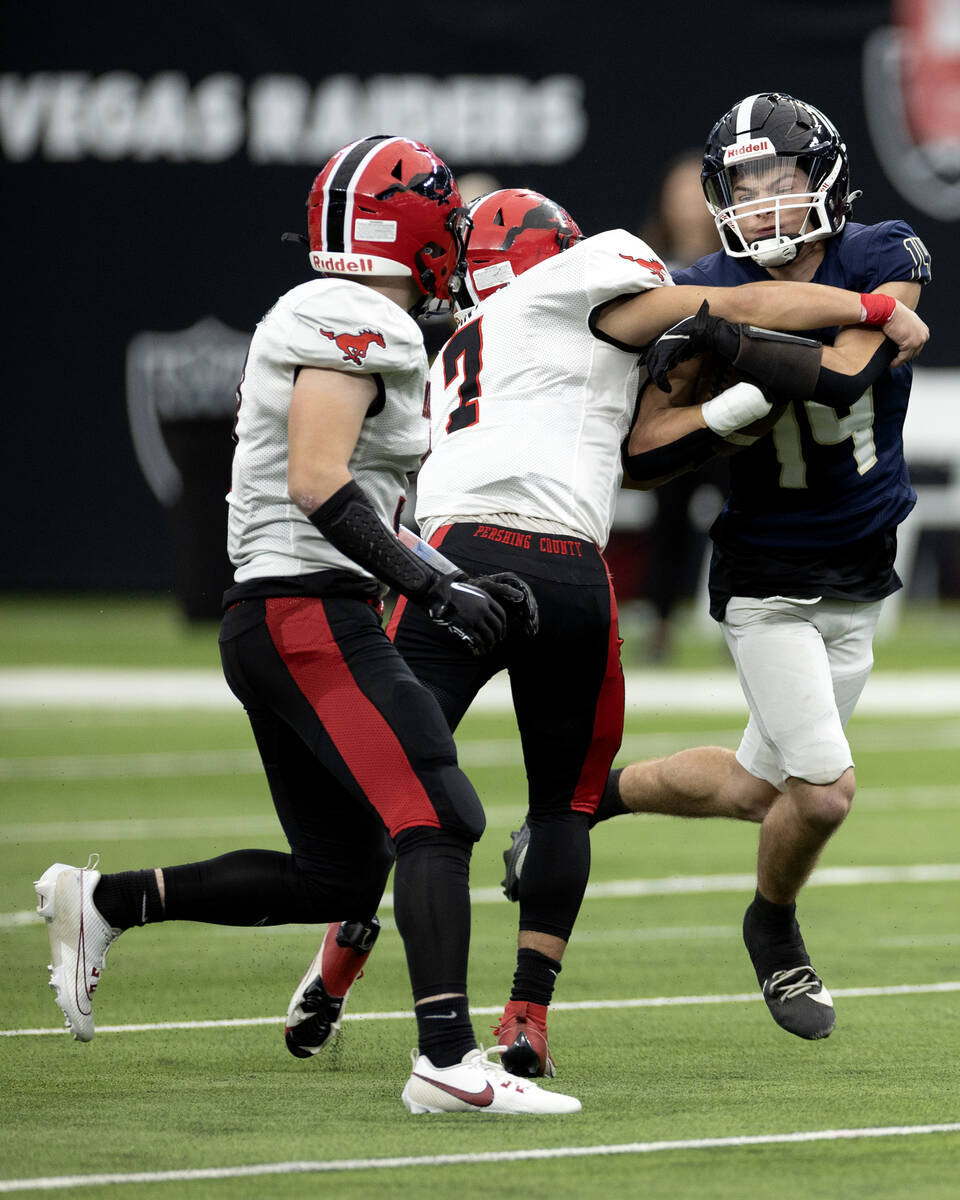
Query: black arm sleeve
column 685, row 454
column 840, row 391
column 348, row 521
column 785, row 364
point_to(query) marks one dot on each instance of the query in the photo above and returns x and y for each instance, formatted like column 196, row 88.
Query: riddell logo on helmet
column 341, row 266
column 740, row 150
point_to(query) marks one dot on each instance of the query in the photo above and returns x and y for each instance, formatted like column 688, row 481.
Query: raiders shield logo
column 911, row 80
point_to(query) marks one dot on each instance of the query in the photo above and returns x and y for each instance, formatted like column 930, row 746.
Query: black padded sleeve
column 840, row 391
column 785, row 364
column 348, row 521
column 685, row 454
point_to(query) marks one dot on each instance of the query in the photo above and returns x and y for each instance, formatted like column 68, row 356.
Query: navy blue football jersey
column 822, row 476
column 822, row 479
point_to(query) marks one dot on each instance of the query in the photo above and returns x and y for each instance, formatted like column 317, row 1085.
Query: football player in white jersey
column 531, row 399
column 358, row 755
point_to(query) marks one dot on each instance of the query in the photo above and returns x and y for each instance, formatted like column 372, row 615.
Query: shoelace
column 495, row 1071
column 796, row 981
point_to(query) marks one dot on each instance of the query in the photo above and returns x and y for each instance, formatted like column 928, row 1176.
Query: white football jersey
column 528, row 406
column 339, row 324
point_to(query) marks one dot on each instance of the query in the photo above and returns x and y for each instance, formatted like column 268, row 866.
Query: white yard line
column 676, row 885
column 472, row 753
column 56, row 1183
column 900, row 989
column 647, row 691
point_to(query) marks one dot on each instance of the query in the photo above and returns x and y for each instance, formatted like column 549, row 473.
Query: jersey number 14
column 827, row 429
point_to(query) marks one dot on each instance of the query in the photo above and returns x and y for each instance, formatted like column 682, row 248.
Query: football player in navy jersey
column 804, row 547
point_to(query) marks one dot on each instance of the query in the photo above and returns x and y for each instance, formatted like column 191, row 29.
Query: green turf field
column 657, row 1028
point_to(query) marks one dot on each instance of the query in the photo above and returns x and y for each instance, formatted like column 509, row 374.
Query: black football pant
column 358, row 757
column 567, row 689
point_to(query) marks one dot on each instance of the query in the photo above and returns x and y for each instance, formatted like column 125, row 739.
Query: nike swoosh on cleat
column 822, row 997
column 478, row 1099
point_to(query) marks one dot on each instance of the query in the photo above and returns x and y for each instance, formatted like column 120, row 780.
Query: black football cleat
column 793, row 991
column 513, row 858
column 316, row 1010
column 799, row 1002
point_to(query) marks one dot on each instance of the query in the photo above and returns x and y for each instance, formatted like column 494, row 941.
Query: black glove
column 467, row 610
column 518, row 602
column 688, row 337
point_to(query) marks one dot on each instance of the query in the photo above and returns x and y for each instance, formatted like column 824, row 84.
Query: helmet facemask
column 775, row 176
column 766, row 208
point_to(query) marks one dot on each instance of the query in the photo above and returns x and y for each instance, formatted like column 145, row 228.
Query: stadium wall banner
column 148, row 178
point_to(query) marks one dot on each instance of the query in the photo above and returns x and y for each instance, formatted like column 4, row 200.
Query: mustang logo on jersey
column 654, row 267
column 354, row 345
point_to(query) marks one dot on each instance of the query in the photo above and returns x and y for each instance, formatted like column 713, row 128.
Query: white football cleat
column 478, row 1084
column 79, row 940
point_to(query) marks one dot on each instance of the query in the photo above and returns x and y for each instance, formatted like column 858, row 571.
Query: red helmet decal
column 513, row 230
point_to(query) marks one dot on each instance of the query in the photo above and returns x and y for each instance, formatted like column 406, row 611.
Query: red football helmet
column 513, row 229
column 388, row 206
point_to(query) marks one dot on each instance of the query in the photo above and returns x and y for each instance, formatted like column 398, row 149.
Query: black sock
column 444, row 1032
column 772, row 936
column 129, row 898
column 534, row 977
column 610, row 803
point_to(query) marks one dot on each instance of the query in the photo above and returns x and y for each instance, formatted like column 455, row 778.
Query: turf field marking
column 675, row 885
column 690, row 884
column 473, row 753
column 54, row 1183
column 646, row 691
column 900, row 989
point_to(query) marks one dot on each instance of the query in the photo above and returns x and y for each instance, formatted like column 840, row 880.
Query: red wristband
column 876, row 308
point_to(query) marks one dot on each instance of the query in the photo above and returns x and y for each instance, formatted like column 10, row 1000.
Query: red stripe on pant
column 607, row 725
column 401, row 603
column 376, row 759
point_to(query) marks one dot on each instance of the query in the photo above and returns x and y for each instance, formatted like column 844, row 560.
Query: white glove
column 739, row 405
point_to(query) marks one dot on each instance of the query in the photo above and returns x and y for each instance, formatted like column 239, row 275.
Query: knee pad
column 456, row 802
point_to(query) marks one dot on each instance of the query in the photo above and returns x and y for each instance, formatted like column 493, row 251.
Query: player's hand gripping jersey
column 825, row 477
column 529, row 406
column 341, row 325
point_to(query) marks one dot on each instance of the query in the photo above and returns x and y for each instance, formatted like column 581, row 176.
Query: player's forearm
column 663, row 426
column 777, row 304
column 843, row 379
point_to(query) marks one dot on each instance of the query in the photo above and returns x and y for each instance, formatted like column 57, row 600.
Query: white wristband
column 737, row 406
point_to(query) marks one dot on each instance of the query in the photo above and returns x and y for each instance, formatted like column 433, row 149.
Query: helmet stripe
column 745, row 114
column 340, row 187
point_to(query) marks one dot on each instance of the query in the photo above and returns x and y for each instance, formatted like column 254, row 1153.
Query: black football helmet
column 776, row 165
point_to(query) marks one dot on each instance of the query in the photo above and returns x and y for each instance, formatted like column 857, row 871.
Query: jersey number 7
column 463, row 356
